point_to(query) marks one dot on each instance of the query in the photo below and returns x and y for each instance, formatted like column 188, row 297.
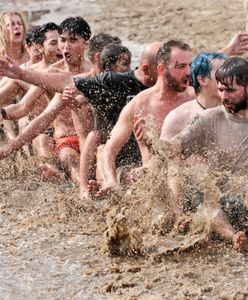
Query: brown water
column 53, row 247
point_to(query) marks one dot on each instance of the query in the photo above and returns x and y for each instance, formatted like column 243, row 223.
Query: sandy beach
column 51, row 246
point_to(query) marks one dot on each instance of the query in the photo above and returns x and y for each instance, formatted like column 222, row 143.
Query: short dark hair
column 76, row 26
column 31, row 36
column 99, row 41
column 163, row 55
column 235, row 67
column 111, row 53
column 42, row 30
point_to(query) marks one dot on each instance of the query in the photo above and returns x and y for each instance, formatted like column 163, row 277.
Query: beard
column 236, row 107
column 176, row 84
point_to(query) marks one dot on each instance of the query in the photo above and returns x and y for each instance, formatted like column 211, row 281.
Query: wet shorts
column 68, row 142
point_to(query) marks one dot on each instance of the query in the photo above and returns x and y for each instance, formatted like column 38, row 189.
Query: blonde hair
column 3, row 15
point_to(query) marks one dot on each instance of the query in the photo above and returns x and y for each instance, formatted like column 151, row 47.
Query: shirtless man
column 74, row 33
column 220, row 133
column 173, row 70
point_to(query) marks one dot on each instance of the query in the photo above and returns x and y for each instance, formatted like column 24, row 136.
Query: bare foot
column 240, row 241
column 50, row 173
column 93, row 187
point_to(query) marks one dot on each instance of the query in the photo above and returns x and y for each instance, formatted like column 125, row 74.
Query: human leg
column 88, row 161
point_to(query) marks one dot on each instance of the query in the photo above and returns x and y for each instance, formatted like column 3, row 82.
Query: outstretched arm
column 12, row 90
column 35, row 98
column 37, row 126
column 52, row 82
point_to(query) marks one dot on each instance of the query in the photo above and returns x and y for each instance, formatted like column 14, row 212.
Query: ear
column 40, row 48
column 97, row 56
column 145, row 69
column 26, row 47
column 202, row 80
column 160, row 69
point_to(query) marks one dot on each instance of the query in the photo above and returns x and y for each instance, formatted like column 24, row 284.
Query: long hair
column 3, row 44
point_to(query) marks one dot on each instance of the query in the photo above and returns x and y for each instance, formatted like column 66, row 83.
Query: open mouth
column 185, row 81
column 227, row 103
column 17, row 34
column 67, row 55
column 59, row 56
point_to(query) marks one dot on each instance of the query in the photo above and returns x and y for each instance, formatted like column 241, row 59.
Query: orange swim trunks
column 68, row 142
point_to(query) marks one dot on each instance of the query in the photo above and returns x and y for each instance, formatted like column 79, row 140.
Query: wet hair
column 3, row 15
column 76, row 26
column 202, row 66
column 233, row 68
column 164, row 52
column 99, row 41
column 39, row 35
column 30, row 36
column 110, row 55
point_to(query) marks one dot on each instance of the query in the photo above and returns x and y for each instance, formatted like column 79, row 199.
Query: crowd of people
column 73, row 101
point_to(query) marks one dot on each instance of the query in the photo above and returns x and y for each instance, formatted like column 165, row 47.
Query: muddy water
column 51, row 245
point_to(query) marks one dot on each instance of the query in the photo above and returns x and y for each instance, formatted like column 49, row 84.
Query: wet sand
column 51, row 245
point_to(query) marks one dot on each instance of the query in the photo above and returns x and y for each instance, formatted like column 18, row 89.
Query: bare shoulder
column 57, row 67
column 184, row 109
column 143, row 97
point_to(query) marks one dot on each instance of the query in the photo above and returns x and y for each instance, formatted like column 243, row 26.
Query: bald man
column 172, row 67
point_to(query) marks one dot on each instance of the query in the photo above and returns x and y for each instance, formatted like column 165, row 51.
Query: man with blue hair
column 202, row 78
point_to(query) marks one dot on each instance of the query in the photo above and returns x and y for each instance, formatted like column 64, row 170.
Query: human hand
column 238, row 44
column 140, row 130
column 71, row 96
column 10, row 68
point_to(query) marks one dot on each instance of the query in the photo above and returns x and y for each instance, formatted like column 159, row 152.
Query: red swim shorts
column 68, row 142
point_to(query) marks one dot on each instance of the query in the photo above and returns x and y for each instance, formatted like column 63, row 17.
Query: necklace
column 203, row 107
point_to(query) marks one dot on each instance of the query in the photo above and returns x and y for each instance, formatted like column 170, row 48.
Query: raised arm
column 52, row 82
column 238, row 44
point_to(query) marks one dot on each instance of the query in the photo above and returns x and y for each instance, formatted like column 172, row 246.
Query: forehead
column 12, row 17
column 68, row 34
column 180, row 56
column 52, row 35
column 229, row 85
column 125, row 56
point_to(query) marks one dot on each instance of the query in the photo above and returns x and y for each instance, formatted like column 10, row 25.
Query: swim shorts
column 68, row 142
